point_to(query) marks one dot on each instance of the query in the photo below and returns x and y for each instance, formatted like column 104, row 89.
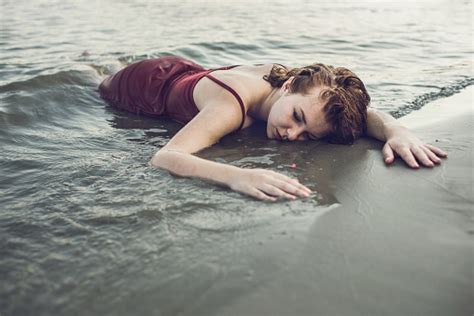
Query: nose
column 294, row 133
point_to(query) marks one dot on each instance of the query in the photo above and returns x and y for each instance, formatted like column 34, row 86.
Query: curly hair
column 343, row 92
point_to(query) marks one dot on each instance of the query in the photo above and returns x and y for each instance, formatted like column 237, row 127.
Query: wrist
column 394, row 128
column 230, row 174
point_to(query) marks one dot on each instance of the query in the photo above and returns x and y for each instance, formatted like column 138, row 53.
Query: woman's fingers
column 290, row 187
column 437, row 151
column 388, row 155
column 431, row 155
column 422, row 157
column 295, row 182
column 413, row 151
column 275, row 191
column 260, row 195
column 423, row 154
column 267, row 185
column 301, row 187
column 408, row 157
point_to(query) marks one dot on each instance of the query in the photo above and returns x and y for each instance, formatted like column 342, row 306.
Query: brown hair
column 344, row 93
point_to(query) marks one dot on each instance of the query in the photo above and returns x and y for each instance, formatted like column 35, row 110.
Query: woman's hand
column 267, row 185
column 411, row 149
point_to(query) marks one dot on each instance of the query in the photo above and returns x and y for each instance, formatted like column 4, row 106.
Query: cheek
column 273, row 115
column 283, row 111
column 280, row 113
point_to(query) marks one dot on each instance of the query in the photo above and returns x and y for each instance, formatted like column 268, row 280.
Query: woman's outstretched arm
column 400, row 141
column 212, row 123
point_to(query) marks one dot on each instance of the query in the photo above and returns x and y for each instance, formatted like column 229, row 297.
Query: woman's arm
column 399, row 140
column 212, row 123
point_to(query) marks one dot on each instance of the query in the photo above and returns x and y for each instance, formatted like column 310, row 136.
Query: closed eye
column 296, row 116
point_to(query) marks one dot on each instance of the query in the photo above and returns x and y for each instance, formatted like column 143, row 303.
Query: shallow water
column 87, row 227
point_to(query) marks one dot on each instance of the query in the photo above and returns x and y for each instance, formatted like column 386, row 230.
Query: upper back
column 225, row 86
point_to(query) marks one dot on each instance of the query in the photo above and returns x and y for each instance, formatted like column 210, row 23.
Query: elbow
column 166, row 159
column 172, row 161
column 153, row 162
column 157, row 160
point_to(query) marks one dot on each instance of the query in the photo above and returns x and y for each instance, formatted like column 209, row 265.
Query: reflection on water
column 87, row 227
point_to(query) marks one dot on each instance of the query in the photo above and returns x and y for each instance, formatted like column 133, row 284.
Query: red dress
column 161, row 86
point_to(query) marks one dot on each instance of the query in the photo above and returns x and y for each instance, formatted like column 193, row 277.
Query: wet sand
column 397, row 242
column 375, row 240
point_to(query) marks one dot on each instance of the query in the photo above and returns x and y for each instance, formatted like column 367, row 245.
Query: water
column 87, row 227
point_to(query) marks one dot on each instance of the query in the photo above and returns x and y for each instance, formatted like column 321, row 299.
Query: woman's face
column 297, row 117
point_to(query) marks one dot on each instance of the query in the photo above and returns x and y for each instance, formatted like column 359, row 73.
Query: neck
column 264, row 103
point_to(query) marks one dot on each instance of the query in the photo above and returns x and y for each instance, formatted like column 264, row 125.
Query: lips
column 278, row 135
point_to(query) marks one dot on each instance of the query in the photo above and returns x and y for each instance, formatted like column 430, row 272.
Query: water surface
column 86, row 227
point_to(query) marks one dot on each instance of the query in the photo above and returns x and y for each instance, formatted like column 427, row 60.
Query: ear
column 286, row 86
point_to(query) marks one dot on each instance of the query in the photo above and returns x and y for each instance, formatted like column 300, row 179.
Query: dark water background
column 87, row 228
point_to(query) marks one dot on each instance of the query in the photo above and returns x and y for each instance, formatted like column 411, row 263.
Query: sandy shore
column 374, row 239
column 398, row 242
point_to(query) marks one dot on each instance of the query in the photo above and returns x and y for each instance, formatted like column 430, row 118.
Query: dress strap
column 224, row 68
column 235, row 94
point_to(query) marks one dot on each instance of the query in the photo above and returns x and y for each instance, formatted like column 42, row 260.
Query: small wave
column 423, row 99
column 64, row 99
column 61, row 78
column 229, row 46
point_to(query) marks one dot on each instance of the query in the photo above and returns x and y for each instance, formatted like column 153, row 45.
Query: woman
column 312, row 102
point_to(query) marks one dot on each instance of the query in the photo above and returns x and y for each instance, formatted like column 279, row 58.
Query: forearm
column 187, row 165
column 381, row 125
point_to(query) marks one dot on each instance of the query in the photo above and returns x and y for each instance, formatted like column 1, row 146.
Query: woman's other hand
column 411, row 149
column 267, row 185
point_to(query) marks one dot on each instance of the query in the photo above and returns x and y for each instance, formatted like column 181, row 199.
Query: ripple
column 88, row 228
column 421, row 100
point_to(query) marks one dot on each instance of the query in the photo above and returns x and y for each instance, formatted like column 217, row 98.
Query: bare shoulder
column 246, row 81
